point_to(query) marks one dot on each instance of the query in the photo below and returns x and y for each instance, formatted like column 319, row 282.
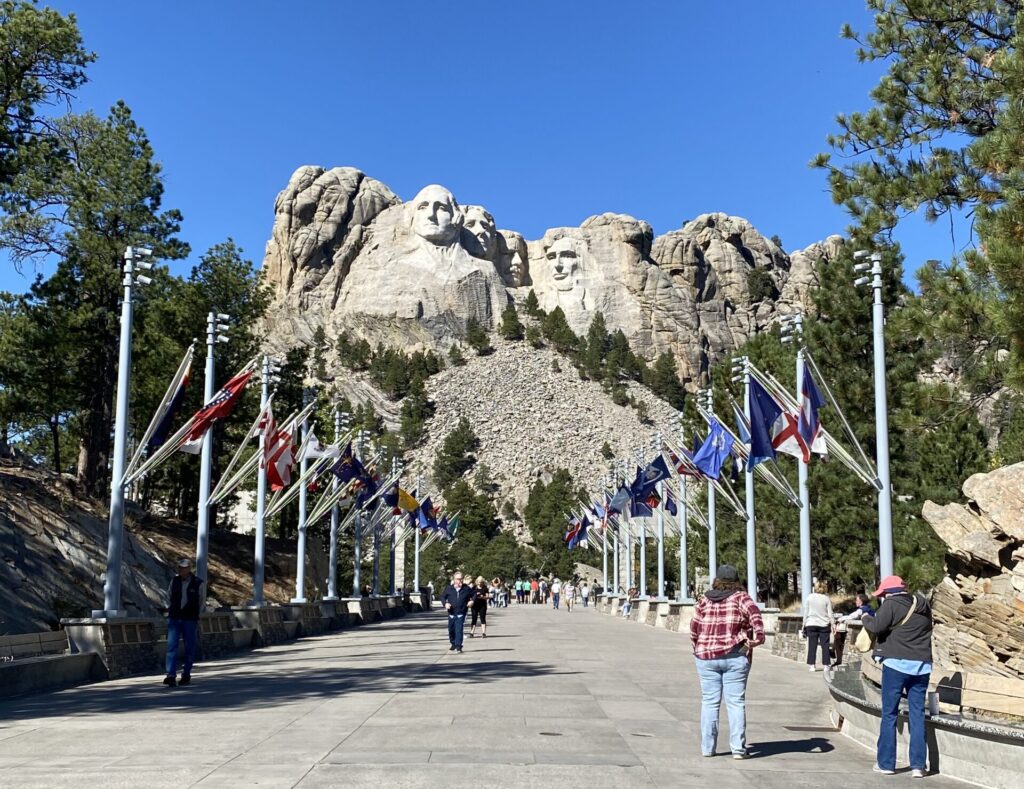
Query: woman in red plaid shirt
column 725, row 628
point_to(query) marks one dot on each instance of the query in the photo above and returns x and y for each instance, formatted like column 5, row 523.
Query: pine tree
column 477, row 337
column 43, row 65
column 596, row 347
column 456, row 357
column 557, row 332
column 532, row 305
column 455, row 457
column 417, row 408
column 103, row 197
column 664, row 381
column 319, row 358
column 511, row 328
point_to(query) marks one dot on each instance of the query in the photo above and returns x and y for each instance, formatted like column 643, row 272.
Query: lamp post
column 392, row 575
column 741, row 371
column 885, row 547
column 214, row 327
column 605, row 482
column 357, row 559
column 115, row 533
column 416, row 545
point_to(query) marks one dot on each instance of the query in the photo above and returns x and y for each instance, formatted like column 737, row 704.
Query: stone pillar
column 126, row 645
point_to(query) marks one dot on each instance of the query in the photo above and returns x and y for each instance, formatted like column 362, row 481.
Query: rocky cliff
column 53, row 556
column 346, row 254
column 979, row 606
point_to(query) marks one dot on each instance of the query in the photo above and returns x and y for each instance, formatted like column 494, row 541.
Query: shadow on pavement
column 228, row 686
column 777, row 747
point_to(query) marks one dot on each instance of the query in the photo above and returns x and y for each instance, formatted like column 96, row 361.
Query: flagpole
column 749, row 478
column 416, row 546
column 642, row 585
column 357, row 559
column 604, row 542
column 712, row 522
column 261, row 493
column 393, row 576
column 115, row 535
column 805, row 504
column 300, row 543
column 332, row 569
column 661, row 527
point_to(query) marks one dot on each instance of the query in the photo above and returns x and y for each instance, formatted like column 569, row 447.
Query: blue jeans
column 555, row 598
column 728, row 676
column 176, row 629
column 456, row 623
column 894, row 683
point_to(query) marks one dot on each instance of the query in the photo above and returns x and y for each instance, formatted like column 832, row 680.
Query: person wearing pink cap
column 902, row 627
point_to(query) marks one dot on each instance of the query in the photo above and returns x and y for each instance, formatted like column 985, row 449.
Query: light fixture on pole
column 215, row 325
column 885, row 545
column 115, row 534
column 793, row 332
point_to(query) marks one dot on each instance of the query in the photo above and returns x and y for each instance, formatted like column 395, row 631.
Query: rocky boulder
column 979, row 606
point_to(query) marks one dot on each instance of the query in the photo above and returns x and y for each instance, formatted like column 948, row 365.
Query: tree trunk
column 55, row 433
column 94, row 455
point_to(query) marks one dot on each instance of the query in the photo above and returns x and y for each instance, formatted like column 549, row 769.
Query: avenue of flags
column 367, row 493
column 771, row 424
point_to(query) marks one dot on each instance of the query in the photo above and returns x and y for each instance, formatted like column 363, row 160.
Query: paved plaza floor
column 549, row 699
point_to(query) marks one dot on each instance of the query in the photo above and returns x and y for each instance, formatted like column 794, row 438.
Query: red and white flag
column 278, row 452
column 220, row 407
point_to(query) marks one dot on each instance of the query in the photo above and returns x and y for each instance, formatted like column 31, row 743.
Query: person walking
column 545, row 591
column 818, row 624
column 481, row 597
column 903, row 629
column 585, row 593
column 456, row 599
column 556, row 592
column 185, row 601
column 534, row 591
column 725, row 628
column 569, row 593
column 843, row 621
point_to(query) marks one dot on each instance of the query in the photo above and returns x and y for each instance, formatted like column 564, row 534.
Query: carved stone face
column 564, row 262
column 436, row 216
column 517, row 269
column 481, row 227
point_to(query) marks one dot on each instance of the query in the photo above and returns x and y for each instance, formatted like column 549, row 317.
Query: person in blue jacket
column 456, row 600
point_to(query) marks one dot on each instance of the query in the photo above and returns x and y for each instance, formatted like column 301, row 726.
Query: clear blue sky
column 545, row 112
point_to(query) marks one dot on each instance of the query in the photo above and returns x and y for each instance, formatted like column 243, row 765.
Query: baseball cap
column 891, row 583
column 184, row 563
column 727, row 572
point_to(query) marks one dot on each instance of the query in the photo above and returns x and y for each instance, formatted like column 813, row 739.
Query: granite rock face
column 348, row 255
column 979, row 606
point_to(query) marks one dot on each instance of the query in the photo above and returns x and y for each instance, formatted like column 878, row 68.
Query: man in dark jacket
column 903, row 629
column 456, row 599
column 185, row 601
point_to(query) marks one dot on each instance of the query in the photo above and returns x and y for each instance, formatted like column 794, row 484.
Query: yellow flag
column 406, row 501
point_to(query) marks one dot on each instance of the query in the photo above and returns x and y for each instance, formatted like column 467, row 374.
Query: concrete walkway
column 549, row 699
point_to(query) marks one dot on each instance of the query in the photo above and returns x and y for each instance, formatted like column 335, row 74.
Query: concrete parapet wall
column 49, row 672
column 126, row 645
column 267, row 621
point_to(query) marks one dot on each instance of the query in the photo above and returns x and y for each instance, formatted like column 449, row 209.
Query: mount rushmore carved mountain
column 348, row 255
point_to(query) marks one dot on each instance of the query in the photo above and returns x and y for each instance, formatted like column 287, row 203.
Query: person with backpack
column 725, row 628
column 902, row 627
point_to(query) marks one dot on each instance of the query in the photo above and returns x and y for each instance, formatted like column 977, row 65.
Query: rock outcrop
column 979, row 606
column 347, row 255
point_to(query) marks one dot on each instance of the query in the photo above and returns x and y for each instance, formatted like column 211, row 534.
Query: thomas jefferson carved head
column 563, row 258
column 436, row 216
column 482, row 233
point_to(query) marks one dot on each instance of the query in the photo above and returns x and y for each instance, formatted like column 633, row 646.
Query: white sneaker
column 812, row 669
column 877, row 769
column 917, row 773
